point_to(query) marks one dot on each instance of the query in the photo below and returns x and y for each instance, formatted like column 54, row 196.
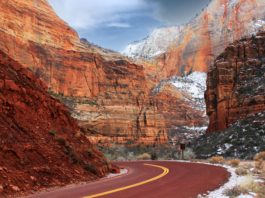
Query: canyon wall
column 181, row 101
column 106, row 92
column 40, row 142
column 195, row 47
column 208, row 34
column 235, row 83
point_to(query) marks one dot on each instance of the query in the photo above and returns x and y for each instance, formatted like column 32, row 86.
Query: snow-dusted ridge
column 155, row 44
column 162, row 38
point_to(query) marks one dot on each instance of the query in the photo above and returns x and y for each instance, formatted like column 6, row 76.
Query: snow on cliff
column 162, row 38
column 192, row 86
column 155, row 44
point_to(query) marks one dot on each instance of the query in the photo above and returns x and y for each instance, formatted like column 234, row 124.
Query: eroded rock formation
column 106, row 92
column 41, row 145
column 235, row 83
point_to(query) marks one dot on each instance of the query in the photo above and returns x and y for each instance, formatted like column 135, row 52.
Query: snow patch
column 244, row 196
column 122, row 172
column 193, row 84
column 259, row 23
column 195, row 128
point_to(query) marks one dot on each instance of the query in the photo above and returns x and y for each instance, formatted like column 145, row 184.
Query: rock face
column 194, row 48
column 207, row 35
column 200, row 41
column 40, row 143
column 106, row 92
column 235, row 83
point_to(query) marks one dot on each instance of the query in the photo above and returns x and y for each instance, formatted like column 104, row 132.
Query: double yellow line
column 165, row 172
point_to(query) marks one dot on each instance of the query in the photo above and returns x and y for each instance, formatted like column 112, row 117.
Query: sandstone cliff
column 235, row 100
column 106, row 92
column 194, row 48
column 235, row 83
column 41, row 144
column 207, row 35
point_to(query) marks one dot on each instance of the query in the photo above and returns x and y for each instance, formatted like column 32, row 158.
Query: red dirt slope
column 40, row 144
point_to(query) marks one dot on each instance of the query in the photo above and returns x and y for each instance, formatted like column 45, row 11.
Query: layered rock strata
column 106, row 92
column 235, row 83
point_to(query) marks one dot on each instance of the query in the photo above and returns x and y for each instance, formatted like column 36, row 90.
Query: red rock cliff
column 40, row 142
column 207, row 35
column 106, row 92
column 235, row 84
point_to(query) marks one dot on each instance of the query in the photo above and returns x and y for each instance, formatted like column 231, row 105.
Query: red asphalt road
column 184, row 180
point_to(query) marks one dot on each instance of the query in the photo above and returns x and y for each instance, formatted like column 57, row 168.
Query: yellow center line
column 165, row 172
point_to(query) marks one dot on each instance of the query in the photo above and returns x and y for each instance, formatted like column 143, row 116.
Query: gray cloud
column 176, row 11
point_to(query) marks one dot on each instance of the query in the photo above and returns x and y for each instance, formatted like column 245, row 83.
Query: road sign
column 182, row 146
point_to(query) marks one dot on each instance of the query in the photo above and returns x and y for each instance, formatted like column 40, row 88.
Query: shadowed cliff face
column 106, row 92
column 207, row 35
column 235, row 83
column 40, row 142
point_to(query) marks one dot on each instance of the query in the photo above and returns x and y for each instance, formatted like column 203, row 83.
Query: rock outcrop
column 235, row 83
column 106, row 92
column 41, row 145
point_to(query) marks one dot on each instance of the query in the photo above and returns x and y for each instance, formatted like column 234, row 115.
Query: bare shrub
column 260, row 167
column 235, row 191
column 247, row 166
column 189, row 154
column 234, row 162
column 260, row 156
column 252, row 186
column 241, row 171
column 217, row 160
column 144, row 156
column 121, row 159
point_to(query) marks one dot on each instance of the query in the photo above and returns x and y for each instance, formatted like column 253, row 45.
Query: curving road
column 153, row 179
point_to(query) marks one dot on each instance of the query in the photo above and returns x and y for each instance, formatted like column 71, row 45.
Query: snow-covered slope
column 192, row 87
column 155, row 44
column 188, row 105
column 193, row 84
column 243, row 139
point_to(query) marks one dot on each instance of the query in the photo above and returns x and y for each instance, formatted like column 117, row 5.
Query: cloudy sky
column 115, row 23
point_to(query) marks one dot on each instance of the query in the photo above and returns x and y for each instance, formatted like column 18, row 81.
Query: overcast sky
column 115, row 23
